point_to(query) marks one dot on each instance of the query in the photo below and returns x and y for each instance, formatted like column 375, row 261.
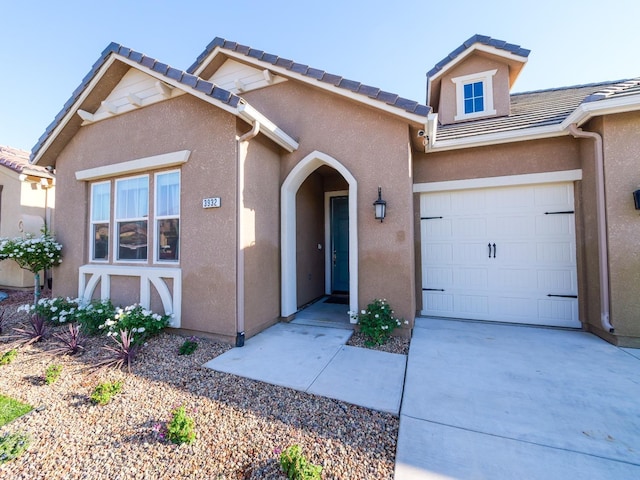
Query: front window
column 473, row 97
column 167, row 213
column 100, row 218
column 132, row 212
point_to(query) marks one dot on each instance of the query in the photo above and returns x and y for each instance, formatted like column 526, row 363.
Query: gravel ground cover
column 241, row 424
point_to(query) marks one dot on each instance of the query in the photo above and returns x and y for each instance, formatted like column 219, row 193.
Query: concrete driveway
column 492, row 401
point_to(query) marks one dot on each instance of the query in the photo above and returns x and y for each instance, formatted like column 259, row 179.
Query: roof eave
column 412, row 118
column 274, row 133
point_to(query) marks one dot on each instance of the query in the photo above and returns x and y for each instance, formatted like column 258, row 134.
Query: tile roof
column 17, row 160
column 163, row 69
column 319, row 75
column 539, row 109
column 483, row 39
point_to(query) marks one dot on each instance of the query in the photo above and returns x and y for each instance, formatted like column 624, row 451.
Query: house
column 237, row 191
column 27, row 202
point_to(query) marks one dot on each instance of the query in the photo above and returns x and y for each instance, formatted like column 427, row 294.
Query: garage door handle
column 494, row 250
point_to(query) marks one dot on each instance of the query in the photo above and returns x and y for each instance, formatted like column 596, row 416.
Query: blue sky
column 48, row 47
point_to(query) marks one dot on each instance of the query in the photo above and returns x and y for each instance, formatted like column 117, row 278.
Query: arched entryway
column 288, row 226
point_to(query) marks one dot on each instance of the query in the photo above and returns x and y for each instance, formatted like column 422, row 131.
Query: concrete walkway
column 315, row 359
column 490, row 401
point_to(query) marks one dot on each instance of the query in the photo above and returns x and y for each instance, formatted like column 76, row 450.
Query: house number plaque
column 213, row 202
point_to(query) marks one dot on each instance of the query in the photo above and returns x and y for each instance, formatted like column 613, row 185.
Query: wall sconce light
column 636, row 199
column 380, row 206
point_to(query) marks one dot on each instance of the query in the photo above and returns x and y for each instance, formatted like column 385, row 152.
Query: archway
column 288, row 300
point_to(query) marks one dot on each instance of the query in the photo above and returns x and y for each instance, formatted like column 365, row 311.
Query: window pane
column 477, row 89
column 478, row 105
column 132, row 197
column 468, row 91
column 468, row 106
column 168, row 239
column 100, row 202
column 132, row 240
column 168, row 194
column 100, row 241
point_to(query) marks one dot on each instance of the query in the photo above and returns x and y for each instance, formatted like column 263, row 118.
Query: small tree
column 32, row 253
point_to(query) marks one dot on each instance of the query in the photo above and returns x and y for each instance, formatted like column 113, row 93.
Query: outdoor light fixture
column 380, row 206
column 636, row 199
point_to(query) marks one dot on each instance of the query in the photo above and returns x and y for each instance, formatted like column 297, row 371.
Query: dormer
column 474, row 80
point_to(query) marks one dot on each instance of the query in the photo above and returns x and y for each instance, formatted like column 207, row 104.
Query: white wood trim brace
column 90, row 275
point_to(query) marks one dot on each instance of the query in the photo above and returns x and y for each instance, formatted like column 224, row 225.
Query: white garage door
column 503, row 254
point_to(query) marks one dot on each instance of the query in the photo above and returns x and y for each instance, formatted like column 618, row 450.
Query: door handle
column 489, row 249
column 494, row 250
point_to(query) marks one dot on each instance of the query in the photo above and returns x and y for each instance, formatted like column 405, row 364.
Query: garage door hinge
column 433, row 289
column 568, row 212
column 562, row 296
column 429, row 218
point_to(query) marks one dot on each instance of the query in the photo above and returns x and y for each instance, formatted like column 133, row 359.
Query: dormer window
column 474, row 95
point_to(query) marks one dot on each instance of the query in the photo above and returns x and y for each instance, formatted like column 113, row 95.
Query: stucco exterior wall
column 621, row 141
column 208, row 236
column 17, row 199
column 475, row 64
column 374, row 147
column 262, row 249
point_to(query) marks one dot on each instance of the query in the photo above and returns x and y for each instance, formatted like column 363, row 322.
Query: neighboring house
column 235, row 192
column 26, row 203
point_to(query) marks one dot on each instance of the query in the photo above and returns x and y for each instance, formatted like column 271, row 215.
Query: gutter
column 242, row 147
column 603, row 249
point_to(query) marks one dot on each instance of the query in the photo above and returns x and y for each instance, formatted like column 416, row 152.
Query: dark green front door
column 340, row 244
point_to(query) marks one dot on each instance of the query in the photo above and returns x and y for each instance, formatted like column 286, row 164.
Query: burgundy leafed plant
column 33, row 333
column 2, row 321
column 121, row 355
column 71, row 342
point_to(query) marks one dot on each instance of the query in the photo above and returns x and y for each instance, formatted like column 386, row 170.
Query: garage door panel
column 439, row 303
column 535, row 254
column 476, row 305
column 470, row 278
column 557, row 281
column 470, row 227
column 559, row 312
column 437, row 278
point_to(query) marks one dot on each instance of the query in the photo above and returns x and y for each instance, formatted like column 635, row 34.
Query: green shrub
column 377, row 322
column 297, row 467
column 94, row 314
column 55, row 310
column 8, row 356
column 181, row 428
column 10, row 409
column 52, row 373
column 105, row 391
column 188, row 347
column 12, row 445
column 137, row 320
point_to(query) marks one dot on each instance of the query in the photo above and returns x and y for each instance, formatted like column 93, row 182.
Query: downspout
column 242, row 148
column 603, row 248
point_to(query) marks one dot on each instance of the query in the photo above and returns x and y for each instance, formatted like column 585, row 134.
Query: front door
column 340, row 244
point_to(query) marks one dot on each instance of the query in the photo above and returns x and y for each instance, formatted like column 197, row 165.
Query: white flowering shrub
column 55, row 310
column 32, row 253
column 377, row 322
column 137, row 320
column 94, row 314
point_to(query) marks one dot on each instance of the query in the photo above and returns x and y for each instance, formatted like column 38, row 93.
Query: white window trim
column 116, row 237
column 487, row 91
column 91, row 224
column 135, row 166
column 156, row 237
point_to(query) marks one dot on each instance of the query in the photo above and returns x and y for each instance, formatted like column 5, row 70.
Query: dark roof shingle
column 483, row 39
column 539, row 108
column 371, row 92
